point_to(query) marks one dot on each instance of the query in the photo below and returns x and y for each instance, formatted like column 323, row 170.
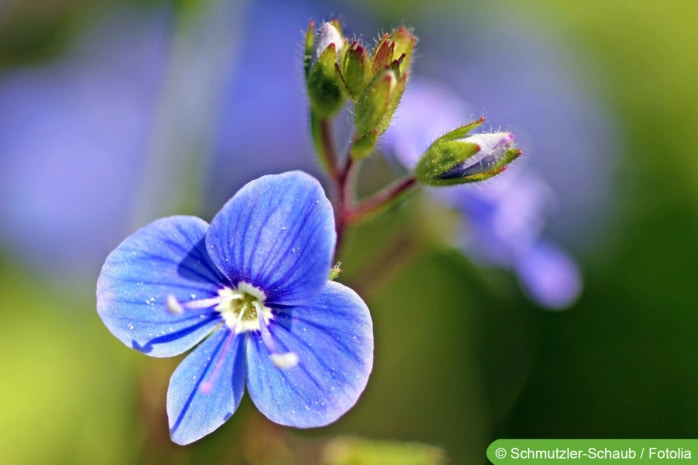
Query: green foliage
column 356, row 451
column 66, row 386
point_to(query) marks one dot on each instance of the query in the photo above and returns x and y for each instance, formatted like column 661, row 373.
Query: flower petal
column 206, row 388
column 333, row 339
column 549, row 275
column 277, row 233
column 165, row 257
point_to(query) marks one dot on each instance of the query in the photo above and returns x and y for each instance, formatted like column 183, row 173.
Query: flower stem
column 345, row 179
column 323, row 139
column 380, row 201
column 343, row 173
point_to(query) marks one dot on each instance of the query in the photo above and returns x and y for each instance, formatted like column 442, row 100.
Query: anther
column 282, row 360
column 285, row 360
column 173, row 306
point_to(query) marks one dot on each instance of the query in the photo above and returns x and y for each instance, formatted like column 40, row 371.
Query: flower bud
column 455, row 159
column 404, row 47
column 383, row 55
column 359, row 69
column 492, row 151
column 356, row 69
column 323, row 81
column 374, row 110
column 328, row 34
column 372, row 106
column 377, row 87
column 394, row 50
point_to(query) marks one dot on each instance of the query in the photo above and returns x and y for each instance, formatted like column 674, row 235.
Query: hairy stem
column 343, row 174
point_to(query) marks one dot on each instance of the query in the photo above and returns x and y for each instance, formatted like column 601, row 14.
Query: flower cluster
column 251, row 293
column 337, row 68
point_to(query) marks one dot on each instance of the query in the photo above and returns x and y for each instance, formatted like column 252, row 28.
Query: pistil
column 242, row 309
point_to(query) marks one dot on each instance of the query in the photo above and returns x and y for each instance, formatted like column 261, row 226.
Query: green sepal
column 459, row 132
column 404, row 48
column 316, row 124
column 451, row 150
column 374, row 103
column 394, row 101
column 383, row 55
column 441, row 157
column 509, row 156
column 324, row 85
column 364, row 145
column 308, row 52
column 356, row 70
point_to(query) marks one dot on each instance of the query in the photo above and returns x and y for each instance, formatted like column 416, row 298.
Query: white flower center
column 240, row 308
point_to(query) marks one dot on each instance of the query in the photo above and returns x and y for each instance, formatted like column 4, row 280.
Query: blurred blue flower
column 527, row 80
column 254, row 287
column 264, row 97
column 73, row 141
column 504, row 218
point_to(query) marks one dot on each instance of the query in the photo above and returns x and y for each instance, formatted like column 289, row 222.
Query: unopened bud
column 493, row 148
column 324, row 84
column 372, row 106
column 383, row 56
column 453, row 159
column 404, row 48
column 374, row 109
column 356, row 70
column 328, row 34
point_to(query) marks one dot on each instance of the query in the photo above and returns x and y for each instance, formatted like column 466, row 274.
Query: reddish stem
column 346, row 212
column 345, row 200
column 379, row 201
column 329, row 148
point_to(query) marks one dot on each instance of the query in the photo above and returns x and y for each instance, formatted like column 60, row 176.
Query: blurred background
column 113, row 114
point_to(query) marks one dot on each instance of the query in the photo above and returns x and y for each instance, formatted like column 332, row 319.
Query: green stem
column 321, row 129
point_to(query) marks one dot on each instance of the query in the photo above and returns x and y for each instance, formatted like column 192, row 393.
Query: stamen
column 285, row 360
column 262, row 318
column 205, row 303
column 282, row 360
column 266, row 335
column 176, row 307
column 173, row 306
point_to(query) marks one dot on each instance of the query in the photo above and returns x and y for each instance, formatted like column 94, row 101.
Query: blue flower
column 252, row 290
